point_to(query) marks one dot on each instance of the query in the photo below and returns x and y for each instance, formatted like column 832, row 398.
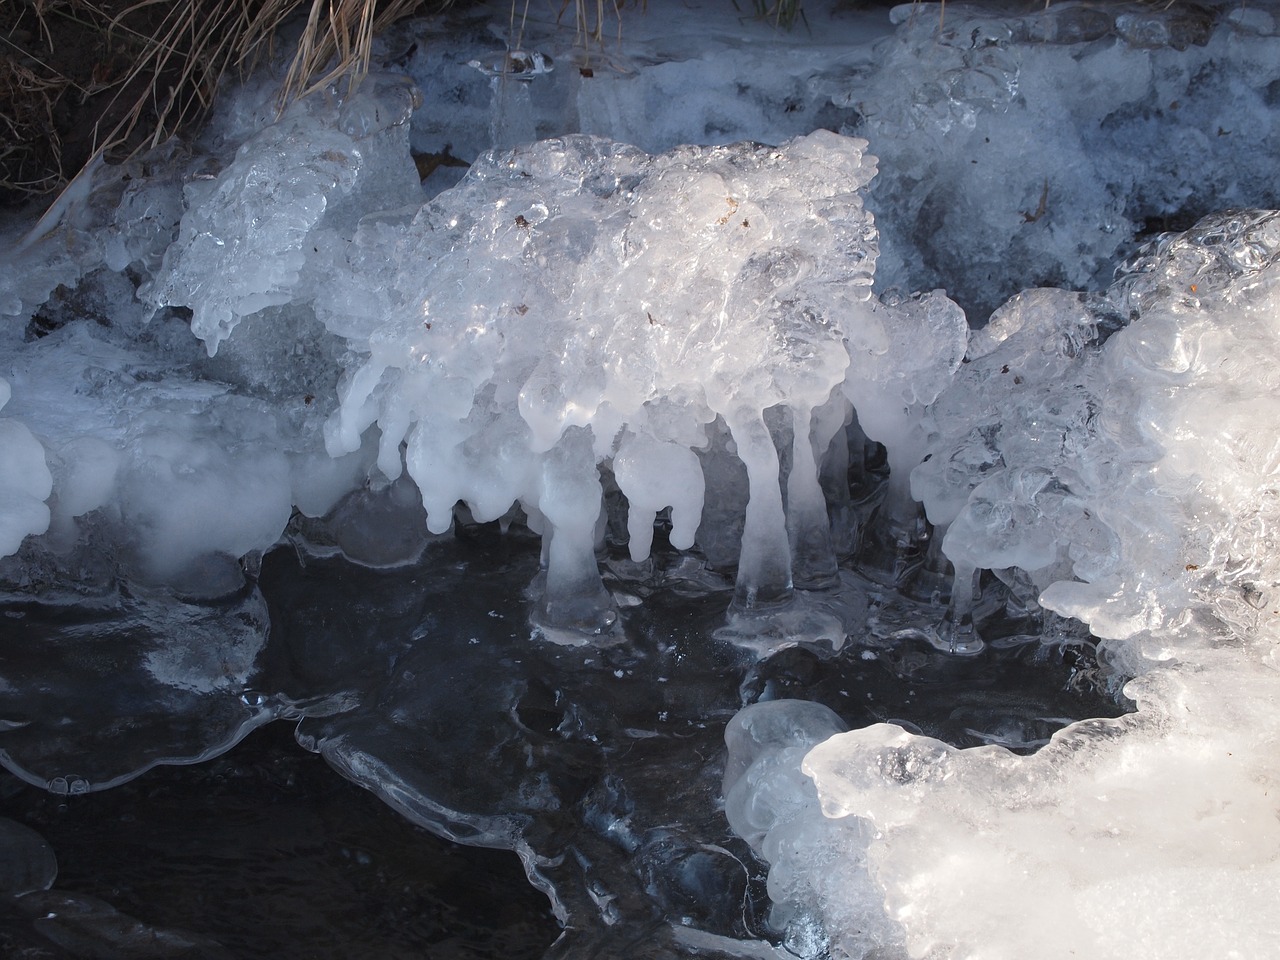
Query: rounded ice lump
column 1116, row 455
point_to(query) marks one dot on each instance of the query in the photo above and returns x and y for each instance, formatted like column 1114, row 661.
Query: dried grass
column 340, row 32
column 30, row 148
column 164, row 59
column 782, row 13
column 589, row 19
column 160, row 65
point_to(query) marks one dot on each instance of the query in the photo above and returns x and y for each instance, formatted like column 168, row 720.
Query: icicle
column 894, row 545
column 808, row 526
column 957, row 633
column 654, row 474
column 934, row 577
column 570, row 499
column 511, row 111
column 764, row 566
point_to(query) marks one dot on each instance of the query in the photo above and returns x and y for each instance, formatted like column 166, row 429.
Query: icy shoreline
column 598, row 333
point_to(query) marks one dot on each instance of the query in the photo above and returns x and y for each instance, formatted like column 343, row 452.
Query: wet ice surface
column 96, row 692
column 422, row 683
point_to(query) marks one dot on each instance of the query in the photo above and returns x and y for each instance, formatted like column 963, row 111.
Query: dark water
column 267, row 852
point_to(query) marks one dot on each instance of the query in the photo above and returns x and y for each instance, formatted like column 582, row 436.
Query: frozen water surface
column 833, row 516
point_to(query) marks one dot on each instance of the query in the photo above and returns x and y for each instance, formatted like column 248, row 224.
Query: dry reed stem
column 343, row 38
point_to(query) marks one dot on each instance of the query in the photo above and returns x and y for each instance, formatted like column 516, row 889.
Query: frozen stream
column 807, row 494
column 595, row 762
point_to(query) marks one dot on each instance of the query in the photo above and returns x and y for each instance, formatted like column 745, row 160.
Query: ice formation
column 570, row 301
column 1114, row 457
column 1027, row 148
column 687, row 339
column 578, row 298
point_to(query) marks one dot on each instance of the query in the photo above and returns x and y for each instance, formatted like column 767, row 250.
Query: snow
column 938, row 232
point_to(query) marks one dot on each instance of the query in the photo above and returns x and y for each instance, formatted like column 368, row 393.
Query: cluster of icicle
column 577, row 304
column 574, row 309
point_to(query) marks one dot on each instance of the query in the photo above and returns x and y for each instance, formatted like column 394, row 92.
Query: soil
column 66, row 86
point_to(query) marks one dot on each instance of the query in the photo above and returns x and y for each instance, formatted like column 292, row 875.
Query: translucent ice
column 240, row 247
column 582, row 285
column 1084, row 451
column 684, row 342
column 25, row 481
column 1129, row 470
column 1027, row 147
column 573, row 307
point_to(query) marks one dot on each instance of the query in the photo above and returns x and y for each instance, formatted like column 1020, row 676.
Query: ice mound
column 576, row 299
column 1020, row 144
column 1116, row 455
column 1118, row 466
column 172, row 464
column 168, row 476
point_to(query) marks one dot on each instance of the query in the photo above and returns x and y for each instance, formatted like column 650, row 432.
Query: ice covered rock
column 1152, row 822
column 1188, row 394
